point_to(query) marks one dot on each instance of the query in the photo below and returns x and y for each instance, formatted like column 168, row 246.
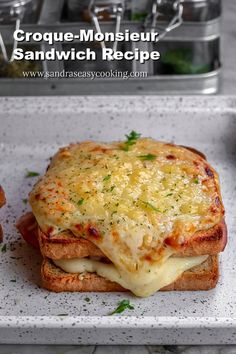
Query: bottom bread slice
column 201, row 277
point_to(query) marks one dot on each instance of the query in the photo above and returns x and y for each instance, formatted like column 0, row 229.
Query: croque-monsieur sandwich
column 139, row 215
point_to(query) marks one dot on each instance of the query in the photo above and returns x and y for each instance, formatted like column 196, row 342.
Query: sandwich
column 137, row 215
column 2, row 202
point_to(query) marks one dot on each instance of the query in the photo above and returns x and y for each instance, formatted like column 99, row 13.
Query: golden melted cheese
column 149, row 281
column 137, row 204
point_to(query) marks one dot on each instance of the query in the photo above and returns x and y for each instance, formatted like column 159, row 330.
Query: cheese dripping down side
column 147, row 282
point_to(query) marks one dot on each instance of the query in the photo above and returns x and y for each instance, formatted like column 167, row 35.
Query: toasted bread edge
column 202, row 277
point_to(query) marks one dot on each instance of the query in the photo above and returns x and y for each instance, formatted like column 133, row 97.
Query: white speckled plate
column 31, row 130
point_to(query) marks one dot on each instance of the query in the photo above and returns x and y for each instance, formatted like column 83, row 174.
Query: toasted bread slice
column 202, row 277
column 66, row 245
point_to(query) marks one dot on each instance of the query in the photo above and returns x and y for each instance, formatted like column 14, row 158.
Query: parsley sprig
column 131, row 140
column 122, row 306
column 148, row 157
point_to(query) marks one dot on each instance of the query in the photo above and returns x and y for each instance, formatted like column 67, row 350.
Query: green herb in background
column 180, row 61
column 31, row 174
column 25, row 201
column 87, row 299
column 196, row 181
column 17, row 68
column 139, row 16
column 131, row 140
column 122, row 306
column 148, row 157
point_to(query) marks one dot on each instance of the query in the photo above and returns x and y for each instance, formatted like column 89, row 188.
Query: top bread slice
column 65, row 245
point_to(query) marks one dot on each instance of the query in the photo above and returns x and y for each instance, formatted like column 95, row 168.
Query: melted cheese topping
column 138, row 204
column 148, row 282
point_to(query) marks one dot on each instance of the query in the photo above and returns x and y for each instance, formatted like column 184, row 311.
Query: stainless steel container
column 106, row 9
column 201, row 10
column 196, row 41
column 25, row 10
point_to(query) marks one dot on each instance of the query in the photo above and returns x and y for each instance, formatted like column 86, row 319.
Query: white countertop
column 42, row 349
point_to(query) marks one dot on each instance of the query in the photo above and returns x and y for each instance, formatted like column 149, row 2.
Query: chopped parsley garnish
column 149, row 205
column 148, row 157
column 106, row 178
column 122, row 306
column 87, row 299
column 169, row 195
column 196, row 181
column 112, row 188
column 131, row 140
column 4, row 248
column 80, row 202
column 31, row 174
column 25, row 201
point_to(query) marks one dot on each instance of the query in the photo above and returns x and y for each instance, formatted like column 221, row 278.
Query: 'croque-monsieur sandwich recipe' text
column 151, row 210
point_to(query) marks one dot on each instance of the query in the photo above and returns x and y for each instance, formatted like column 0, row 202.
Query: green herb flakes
column 148, row 157
column 169, row 195
column 151, row 206
column 4, row 248
column 196, row 181
column 87, row 299
column 81, row 201
column 122, row 306
column 106, row 178
column 31, row 174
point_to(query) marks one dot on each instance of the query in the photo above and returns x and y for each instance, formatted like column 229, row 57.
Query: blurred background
column 197, row 46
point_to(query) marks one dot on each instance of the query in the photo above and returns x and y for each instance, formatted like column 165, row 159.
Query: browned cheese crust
column 203, row 277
